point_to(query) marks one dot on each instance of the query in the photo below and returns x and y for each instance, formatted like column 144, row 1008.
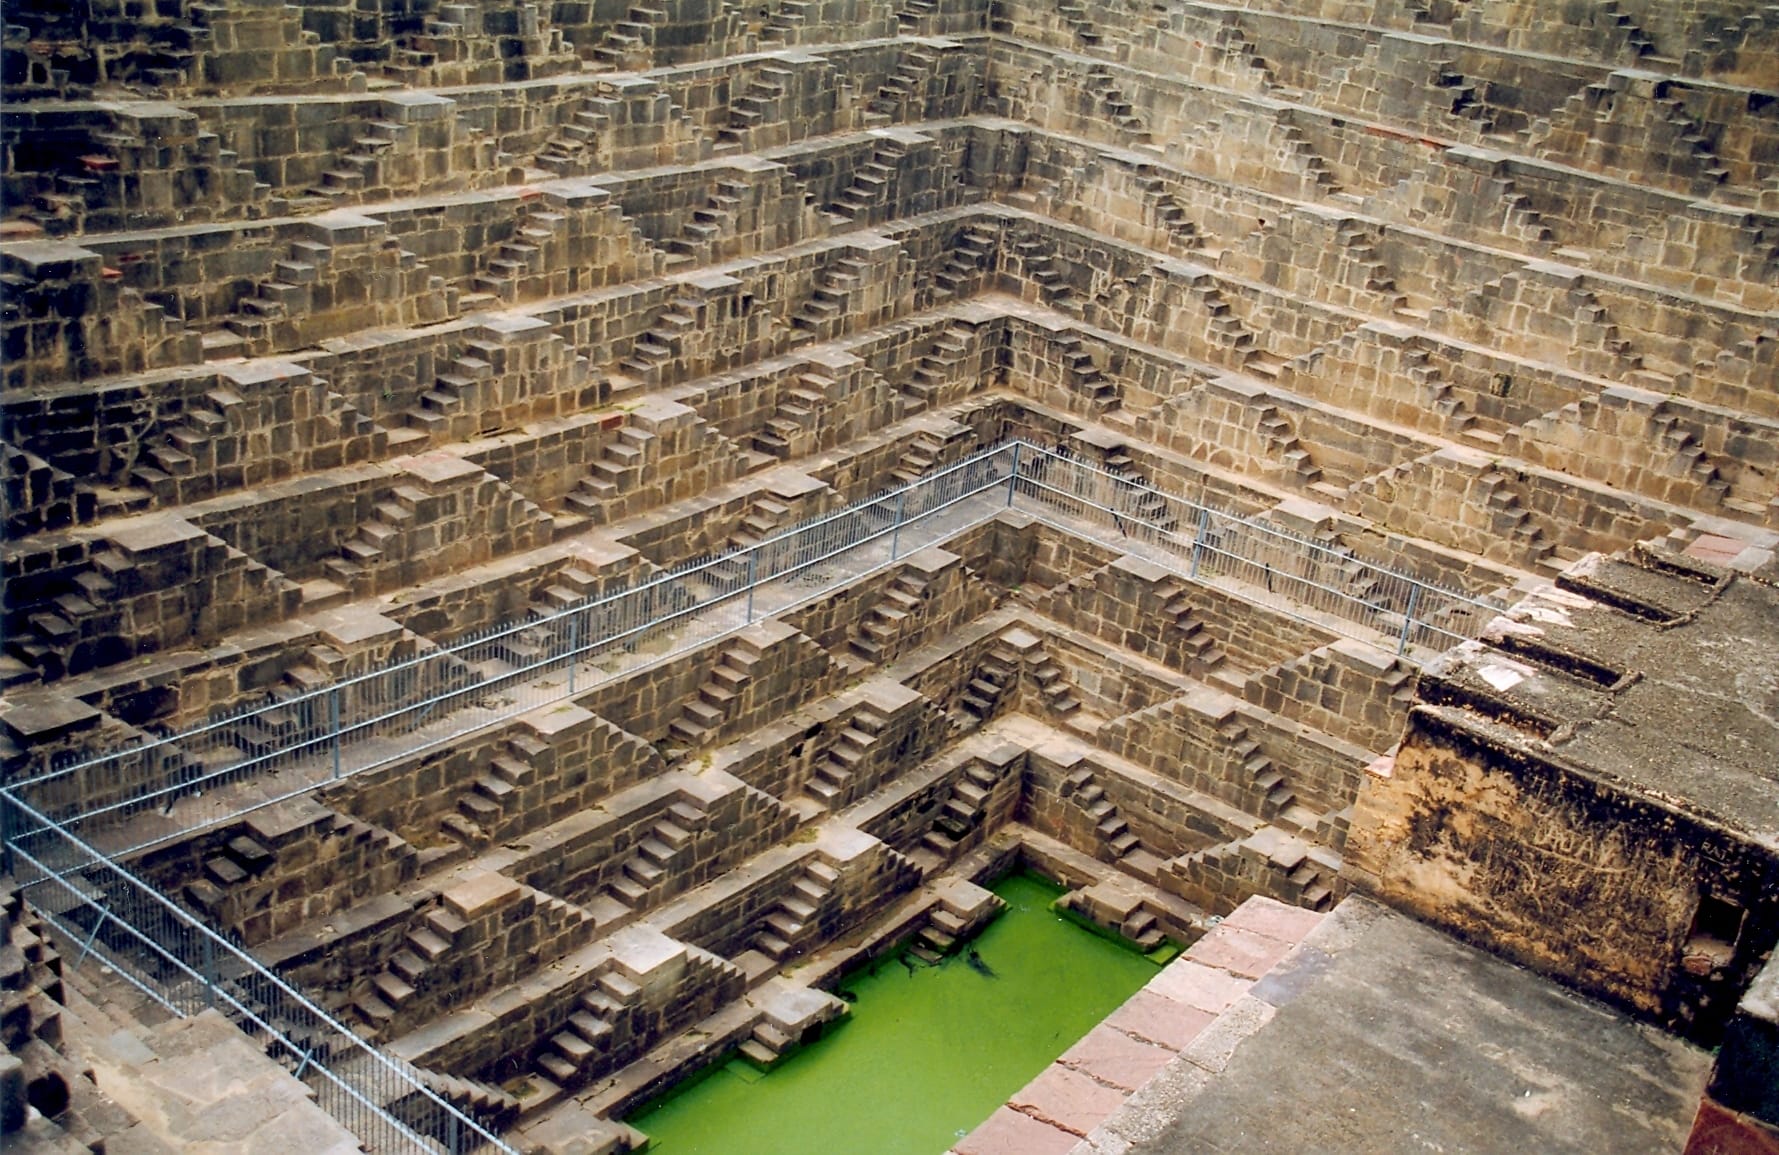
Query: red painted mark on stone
column 1380, row 130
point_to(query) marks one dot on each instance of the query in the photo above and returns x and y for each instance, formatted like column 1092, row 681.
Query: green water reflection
column 927, row 1056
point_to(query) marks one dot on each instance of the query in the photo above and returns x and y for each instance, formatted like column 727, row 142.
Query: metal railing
column 100, row 910
column 289, row 746
column 319, row 736
column 1325, row 584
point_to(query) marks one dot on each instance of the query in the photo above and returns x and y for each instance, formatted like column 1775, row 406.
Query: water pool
column 928, row 1053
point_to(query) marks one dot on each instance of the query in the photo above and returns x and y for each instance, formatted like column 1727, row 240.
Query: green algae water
column 927, row 1054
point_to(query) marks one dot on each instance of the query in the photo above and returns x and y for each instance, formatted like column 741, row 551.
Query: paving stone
column 1264, row 916
column 1198, row 986
column 1113, row 1057
column 1068, row 1099
column 1158, row 1019
column 1008, row 1132
column 1238, row 951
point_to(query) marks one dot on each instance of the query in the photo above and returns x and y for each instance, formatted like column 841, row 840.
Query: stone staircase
column 1510, row 520
column 487, row 1104
column 1235, row 46
column 704, row 715
column 662, row 342
column 928, row 450
column 1264, row 779
column 452, row 402
column 989, row 682
column 934, row 372
column 1279, row 441
column 903, row 96
column 1688, row 459
column 1138, row 497
column 1269, row 861
column 1171, row 214
column 871, row 183
column 793, row 428
column 823, row 314
column 422, row 948
column 667, row 842
column 758, row 105
column 518, row 268
column 74, row 624
column 628, row 45
column 1082, row 376
column 279, row 724
column 1118, row 110
column 1225, row 332
column 1038, row 263
column 1522, row 221
column 190, row 447
column 911, row 13
column 242, row 857
column 576, row 1051
column 1055, row 691
column 887, row 618
column 1087, row 34
column 783, row 25
column 962, row 911
column 1466, row 103
column 476, row 821
column 1359, row 245
column 1081, row 790
column 615, row 472
column 1204, row 655
column 765, row 518
column 359, row 175
column 700, row 241
column 958, row 818
column 275, row 299
column 391, row 517
column 95, row 185
column 789, row 928
column 831, row 782
column 972, row 255
column 1438, row 395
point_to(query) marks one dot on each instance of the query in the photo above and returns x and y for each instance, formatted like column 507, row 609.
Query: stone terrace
column 333, row 334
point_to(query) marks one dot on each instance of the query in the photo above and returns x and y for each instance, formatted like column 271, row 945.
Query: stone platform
column 1375, row 1033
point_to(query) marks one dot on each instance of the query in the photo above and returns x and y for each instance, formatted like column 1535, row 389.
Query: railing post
column 896, row 530
column 333, row 724
column 574, row 647
column 209, row 970
column 752, row 554
column 1408, row 617
column 1013, row 477
column 1198, row 540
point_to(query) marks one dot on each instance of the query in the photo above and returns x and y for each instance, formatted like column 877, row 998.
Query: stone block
column 480, row 895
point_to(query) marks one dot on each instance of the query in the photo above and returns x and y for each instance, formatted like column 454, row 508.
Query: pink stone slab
column 1007, row 1132
column 1111, row 1056
column 1193, row 984
column 1068, row 1099
column 1240, row 952
column 1274, row 919
column 1160, row 1020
